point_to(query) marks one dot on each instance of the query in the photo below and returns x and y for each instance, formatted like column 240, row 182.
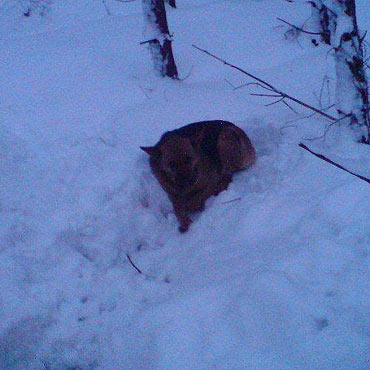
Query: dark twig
column 248, row 84
column 311, row 115
column 327, row 128
column 229, row 83
column 235, row 67
column 298, row 28
column 284, row 127
column 106, row 8
column 232, row 200
column 268, row 95
column 148, row 41
column 289, row 106
column 188, row 75
column 363, row 37
column 274, row 102
column 254, row 84
column 326, row 159
column 266, row 85
column 133, row 265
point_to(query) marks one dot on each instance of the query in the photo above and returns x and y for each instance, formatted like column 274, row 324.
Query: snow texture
column 274, row 274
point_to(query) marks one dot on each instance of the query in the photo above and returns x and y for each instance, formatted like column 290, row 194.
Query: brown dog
column 197, row 161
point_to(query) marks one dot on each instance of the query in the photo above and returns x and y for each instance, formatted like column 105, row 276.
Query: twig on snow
column 106, row 8
column 133, row 265
column 188, row 75
column 326, row 159
column 232, row 200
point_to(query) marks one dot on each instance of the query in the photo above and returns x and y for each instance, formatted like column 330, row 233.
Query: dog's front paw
column 183, row 228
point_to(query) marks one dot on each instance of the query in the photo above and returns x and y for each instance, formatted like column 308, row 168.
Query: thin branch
column 229, row 83
column 290, row 107
column 188, row 75
column 232, row 200
column 266, row 84
column 255, row 84
column 311, row 115
column 133, row 265
column 248, row 84
column 298, row 28
column 274, row 102
column 148, row 41
column 235, row 67
column 363, row 37
column 268, row 95
column 326, row 159
column 106, row 8
column 327, row 128
column 284, row 127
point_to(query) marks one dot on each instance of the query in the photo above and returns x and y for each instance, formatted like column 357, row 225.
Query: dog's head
column 176, row 160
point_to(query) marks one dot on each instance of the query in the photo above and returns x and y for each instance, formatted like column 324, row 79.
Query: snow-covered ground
column 278, row 278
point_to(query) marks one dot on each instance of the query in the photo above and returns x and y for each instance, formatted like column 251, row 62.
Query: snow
column 272, row 275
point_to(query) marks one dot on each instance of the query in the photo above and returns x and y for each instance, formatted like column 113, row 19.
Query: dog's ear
column 151, row 150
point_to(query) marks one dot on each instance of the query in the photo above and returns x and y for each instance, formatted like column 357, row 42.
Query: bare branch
column 290, row 107
column 267, row 85
column 148, row 41
column 298, row 28
column 327, row 128
column 363, row 37
column 326, row 159
column 236, row 67
column 229, row 83
column 188, row 75
column 284, row 127
column 133, row 265
column 248, row 84
column 255, row 84
column 268, row 95
column 275, row 102
column 106, row 8
column 311, row 115
column 232, row 200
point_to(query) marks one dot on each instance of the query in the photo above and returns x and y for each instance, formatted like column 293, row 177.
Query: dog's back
column 204, row 136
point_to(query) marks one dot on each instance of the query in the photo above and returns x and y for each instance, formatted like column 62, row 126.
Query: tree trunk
column 338, row 25
column 325, row 19
column 160, row 40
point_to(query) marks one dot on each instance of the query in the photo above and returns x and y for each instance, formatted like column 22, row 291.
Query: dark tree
column 338, row 27
column 160, row 40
